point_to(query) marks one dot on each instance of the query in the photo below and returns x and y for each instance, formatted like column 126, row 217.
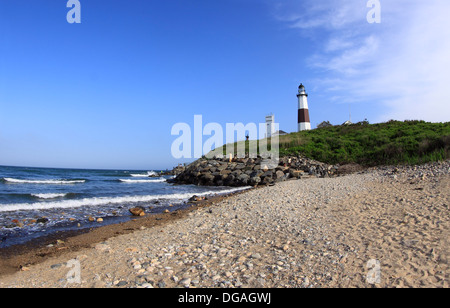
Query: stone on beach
column 137, row 211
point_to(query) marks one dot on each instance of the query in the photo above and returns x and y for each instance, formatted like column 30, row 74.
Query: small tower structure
column 270, row 125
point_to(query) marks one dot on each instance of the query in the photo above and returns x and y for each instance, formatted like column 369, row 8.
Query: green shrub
column 393, row 142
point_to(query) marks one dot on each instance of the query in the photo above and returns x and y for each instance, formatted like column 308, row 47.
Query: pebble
column 185, row 282
column 121, row 283
column 102, row 247
column 256, row 256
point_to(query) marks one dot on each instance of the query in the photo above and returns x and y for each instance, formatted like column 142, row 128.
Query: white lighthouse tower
column 270, row 125
column 304, row 122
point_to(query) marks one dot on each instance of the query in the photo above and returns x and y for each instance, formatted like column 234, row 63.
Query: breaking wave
column 143, row 181
column 49, row 196
column 89, row 202
column 17, row 181
column 144, row 175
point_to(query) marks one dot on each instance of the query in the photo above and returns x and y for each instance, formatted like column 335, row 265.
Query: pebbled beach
column 319, row 232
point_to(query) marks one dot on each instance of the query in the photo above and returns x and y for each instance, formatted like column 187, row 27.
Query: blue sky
column 105, row 93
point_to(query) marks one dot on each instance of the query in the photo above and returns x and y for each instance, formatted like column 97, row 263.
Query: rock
column 306, row 282
column 241, row 259
column 101, row 247
column 280, row 175
column 196, row 198
column 147, row 285
column 137, row 211
column 121, row 283
column 255, row 180
column 185, row 282
column 256, row 256
column 243, row 179
column 42, row 220
column 268, row 174
column 99, row 220
column 246, row 171
column 207, row 179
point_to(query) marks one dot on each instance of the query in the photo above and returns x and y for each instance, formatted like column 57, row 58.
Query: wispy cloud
column 402, row 64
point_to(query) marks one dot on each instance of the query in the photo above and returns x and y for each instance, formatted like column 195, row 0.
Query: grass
column 393, row 142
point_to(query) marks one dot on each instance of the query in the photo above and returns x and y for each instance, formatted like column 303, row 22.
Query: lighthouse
column 270, row 125
column 304, row 122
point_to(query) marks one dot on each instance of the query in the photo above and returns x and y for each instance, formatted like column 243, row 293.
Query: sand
column 384, row 227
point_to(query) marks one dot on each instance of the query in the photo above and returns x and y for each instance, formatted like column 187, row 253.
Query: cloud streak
column 402, row 64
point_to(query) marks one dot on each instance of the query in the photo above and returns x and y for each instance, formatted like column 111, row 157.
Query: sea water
column 38, row 201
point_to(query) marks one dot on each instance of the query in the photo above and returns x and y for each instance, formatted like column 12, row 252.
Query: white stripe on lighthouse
column 304, row 126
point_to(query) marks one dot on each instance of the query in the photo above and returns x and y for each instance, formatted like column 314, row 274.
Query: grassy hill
column 394, row 142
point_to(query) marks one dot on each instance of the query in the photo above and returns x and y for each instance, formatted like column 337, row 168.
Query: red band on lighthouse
column 303, row 116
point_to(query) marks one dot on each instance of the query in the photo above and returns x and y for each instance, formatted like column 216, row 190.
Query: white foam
column 89, row 202
column 143, row 181
column 48, row 196
column 17, row 181
column 144, row 175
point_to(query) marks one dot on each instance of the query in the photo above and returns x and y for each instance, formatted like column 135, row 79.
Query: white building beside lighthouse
column 304, row 123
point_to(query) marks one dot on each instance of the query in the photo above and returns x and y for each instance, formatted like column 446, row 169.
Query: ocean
column 35, row 202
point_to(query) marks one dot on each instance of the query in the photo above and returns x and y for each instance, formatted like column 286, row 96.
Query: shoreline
column 310, row 233
column 33, row 252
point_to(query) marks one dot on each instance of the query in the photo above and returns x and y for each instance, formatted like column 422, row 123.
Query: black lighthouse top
column 301, row 90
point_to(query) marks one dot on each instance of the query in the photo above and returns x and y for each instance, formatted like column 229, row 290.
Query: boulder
column 196, row 198
column 255, row 180
column 137, row 211
column 220, row 171
column 279, row 175
column 207, row 179
column 42, row 220
column 243, row 179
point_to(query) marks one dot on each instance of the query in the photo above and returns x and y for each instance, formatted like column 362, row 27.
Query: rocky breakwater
column 251, row 171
